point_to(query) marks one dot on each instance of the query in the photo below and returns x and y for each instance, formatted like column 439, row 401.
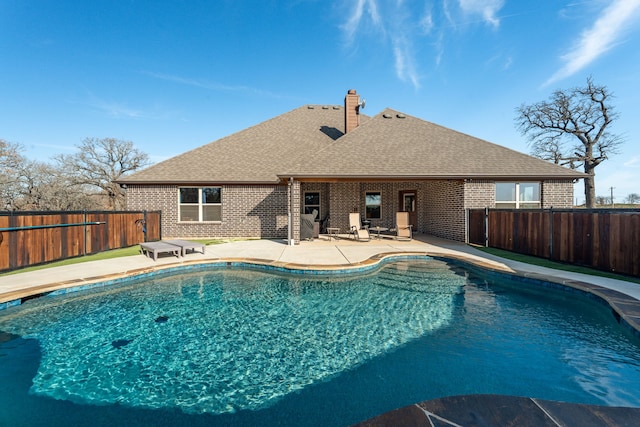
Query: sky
column 171, row 76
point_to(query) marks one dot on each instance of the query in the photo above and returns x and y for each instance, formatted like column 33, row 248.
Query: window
column 518, row 195
column 201, row 204
column 311, row 202
column 372, row 205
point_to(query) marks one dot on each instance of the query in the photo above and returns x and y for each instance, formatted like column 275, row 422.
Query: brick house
column 331, row 158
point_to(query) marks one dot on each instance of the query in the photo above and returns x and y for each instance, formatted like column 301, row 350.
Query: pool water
column 247, row 347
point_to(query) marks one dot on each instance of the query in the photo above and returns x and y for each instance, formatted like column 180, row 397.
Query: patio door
column 409, row 203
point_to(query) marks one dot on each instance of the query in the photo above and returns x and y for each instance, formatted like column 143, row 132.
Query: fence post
column 486, row 227
column 551, row 233
column 84, row 220
column 515, row 247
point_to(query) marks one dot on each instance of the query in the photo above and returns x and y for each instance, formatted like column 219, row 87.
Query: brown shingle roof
column 309, row 142
column 393, row 144
column 254, row 155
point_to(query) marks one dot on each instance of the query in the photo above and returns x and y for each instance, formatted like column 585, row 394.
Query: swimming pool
column 249, row 347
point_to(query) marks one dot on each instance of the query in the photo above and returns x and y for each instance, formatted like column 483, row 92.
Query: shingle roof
column 254, row 155
column 393, row 144
column 309, row 142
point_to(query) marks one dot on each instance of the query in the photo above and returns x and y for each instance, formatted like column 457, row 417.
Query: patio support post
column 295, row 212
column 290, row 219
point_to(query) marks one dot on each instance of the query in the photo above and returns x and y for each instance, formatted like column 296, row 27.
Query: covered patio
column 435, row 207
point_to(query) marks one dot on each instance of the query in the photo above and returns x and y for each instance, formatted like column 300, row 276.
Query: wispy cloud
column 213, row 86
column 365, row 16
column 356, row 17
column 116, row 109
column 633, row 162
column 122, row 110
column 606, row 33
column 405, row 62
column 397, row 23
column 488, row 9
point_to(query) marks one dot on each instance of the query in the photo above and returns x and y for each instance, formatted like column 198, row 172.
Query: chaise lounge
column 355, row 228
column 186, row 245
column 155, row 248
column 176, row 247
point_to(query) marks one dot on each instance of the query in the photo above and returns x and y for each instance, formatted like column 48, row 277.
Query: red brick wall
column 445, row 210
column 557, row 194
column 247, row 211
column 262, row 211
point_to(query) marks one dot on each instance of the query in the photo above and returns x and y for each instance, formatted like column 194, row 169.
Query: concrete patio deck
column 322, row 253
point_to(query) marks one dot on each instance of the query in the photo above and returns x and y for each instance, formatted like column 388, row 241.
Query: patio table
column 378, row 229
column 332, row 232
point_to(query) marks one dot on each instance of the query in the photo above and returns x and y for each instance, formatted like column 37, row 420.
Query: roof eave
column 494, row 177
column 195, row 183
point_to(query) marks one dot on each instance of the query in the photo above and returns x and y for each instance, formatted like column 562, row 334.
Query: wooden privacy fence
column 606, row 239
column 30, row 238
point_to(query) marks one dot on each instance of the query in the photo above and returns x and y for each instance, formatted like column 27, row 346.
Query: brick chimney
column 351, row 111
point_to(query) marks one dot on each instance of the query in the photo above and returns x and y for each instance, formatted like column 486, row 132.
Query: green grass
column 555, row 265
column 115, row 253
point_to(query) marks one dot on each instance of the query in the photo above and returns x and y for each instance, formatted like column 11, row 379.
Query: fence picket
column 30, row 238
column 606, row 239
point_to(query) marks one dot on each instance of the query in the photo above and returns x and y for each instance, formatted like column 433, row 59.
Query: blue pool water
column 247, row 347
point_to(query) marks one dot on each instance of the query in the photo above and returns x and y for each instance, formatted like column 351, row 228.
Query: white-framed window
column 200, row 204
column 312, row 202
column 373, row 204
column 518, row 195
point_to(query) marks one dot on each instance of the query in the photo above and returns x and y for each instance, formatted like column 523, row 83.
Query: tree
column 44, row 187
column 10, row 162
column 633, row 199
column 100, row 162
column 571, row 129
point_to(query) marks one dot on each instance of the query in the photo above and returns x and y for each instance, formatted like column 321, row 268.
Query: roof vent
column 325, row 107
column 311, row 107
column 387, row 116
column 401, row 116
column 336, row 107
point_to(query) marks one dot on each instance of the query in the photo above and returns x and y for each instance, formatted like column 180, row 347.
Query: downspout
column 290, row 218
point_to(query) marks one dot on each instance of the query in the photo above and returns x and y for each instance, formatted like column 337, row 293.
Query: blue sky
column 173, row 75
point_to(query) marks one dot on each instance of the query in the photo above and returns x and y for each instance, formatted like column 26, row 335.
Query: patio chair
column 403, row 228
column 355, row 228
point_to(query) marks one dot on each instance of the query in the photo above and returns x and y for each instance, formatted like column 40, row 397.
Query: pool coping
column 501, row 410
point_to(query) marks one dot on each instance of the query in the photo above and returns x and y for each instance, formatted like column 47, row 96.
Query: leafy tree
column 100, row 162
column 572, row 129
column 633, row 199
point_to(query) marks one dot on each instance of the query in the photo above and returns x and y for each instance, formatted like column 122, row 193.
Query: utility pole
column 612, row 204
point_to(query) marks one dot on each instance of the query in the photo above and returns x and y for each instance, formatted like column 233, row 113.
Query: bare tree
column 100, row 162
column 10, row 162
column 633, row 199
column 571, row 129
column 45, row 187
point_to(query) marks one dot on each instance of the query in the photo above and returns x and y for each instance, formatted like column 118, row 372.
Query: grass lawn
column 115, row 253
column 556, row 265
